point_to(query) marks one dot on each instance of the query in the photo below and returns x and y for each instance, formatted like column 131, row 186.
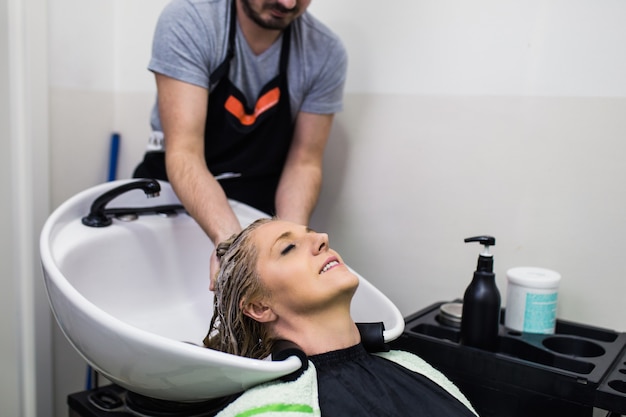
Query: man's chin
column 275, row 24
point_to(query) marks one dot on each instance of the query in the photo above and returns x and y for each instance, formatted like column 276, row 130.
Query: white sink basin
column 129, row 295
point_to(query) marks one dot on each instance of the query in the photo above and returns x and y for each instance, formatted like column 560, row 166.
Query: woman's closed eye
column 288, row 249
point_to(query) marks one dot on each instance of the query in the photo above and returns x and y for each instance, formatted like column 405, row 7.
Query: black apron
column 245, row 146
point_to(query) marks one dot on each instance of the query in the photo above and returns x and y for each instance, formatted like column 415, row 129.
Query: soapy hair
column 238, row 284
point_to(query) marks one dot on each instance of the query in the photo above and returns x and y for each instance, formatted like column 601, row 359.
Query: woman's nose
column 320, row 243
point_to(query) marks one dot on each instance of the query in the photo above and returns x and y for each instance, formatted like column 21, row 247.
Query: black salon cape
column 352, row 382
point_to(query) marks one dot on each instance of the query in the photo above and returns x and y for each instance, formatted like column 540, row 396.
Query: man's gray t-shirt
column 191, row 41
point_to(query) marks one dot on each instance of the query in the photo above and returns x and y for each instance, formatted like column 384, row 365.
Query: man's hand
column 213, row 270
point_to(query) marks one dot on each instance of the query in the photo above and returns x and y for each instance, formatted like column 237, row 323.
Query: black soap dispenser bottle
column 481, row 302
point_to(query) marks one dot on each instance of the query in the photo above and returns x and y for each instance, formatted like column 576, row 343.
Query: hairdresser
column 246, row 93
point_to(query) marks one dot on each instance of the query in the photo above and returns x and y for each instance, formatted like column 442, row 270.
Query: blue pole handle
column 113, row 156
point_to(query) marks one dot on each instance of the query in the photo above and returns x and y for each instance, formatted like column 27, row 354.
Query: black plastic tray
column 568, row 373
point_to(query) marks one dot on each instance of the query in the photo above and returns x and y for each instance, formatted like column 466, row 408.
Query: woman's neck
column 320, row 333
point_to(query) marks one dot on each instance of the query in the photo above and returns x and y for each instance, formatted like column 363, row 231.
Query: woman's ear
column 258, row 311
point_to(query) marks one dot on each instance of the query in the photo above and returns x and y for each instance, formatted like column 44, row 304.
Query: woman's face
column 300, row 271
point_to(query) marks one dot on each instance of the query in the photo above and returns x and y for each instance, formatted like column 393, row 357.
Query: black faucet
column 97, row 216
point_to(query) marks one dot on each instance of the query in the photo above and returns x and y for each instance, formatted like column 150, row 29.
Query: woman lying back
column 281, row 281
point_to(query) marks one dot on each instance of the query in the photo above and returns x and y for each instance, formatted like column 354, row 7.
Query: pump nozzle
column 486, row 241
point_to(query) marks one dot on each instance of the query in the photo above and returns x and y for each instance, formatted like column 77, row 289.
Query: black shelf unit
column 567, row 373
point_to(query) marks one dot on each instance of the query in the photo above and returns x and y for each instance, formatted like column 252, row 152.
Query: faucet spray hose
column 97, row 216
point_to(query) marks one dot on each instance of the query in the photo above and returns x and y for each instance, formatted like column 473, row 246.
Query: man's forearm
column 202, row 196
column 301, row 180
column 298, row 192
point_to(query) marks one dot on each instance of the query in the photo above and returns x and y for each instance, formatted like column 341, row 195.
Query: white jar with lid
column 531, row 301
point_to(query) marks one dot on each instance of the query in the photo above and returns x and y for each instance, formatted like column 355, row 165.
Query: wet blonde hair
column 237, row 284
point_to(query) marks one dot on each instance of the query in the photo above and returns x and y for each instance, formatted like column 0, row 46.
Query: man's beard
column 271, row 23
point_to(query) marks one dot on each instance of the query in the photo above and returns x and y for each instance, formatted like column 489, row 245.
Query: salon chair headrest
column 284, row 349
column 372, row 337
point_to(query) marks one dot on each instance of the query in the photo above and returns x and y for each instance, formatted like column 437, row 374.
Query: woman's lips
column 330, row 264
